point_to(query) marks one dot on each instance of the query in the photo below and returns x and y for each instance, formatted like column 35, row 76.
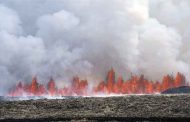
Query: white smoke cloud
column 9, row 21
column 159, row 48
column 62, row 38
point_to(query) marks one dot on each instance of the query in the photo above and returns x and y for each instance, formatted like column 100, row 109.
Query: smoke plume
column 63, row 38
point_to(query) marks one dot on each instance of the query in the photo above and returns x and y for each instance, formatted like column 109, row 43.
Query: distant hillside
column 178, row 90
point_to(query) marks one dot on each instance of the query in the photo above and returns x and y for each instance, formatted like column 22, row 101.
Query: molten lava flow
column 134, row 85
column 51, row 88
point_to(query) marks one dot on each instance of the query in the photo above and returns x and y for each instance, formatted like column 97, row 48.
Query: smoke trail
column 62, row 38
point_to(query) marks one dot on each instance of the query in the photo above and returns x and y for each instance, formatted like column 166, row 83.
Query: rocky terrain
column 121, row 108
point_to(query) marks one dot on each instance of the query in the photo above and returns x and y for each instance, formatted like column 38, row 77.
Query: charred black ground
column 128, row 108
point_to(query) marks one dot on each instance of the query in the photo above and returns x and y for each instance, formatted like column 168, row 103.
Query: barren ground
column 131, row 108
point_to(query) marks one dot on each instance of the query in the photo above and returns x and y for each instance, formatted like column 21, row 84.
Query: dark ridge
column 178, row 90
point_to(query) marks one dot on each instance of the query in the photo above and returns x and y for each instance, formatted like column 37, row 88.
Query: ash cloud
column 63, row 38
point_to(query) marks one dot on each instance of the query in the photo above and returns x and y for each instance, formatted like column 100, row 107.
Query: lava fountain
column 134, row 85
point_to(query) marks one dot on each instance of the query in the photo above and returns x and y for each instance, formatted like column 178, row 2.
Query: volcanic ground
column 116, row 108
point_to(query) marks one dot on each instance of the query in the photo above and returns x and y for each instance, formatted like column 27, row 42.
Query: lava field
column 114, row 108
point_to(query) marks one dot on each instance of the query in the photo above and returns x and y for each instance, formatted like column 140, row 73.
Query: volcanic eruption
column 134, row 85
column 88, row 60
column 84, row 39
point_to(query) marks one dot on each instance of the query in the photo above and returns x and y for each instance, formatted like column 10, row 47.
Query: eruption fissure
column 134, row 85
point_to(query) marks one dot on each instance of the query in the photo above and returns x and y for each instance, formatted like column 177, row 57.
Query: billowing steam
column 62, row 38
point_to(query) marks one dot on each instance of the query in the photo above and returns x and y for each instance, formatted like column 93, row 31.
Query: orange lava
column 134, row 85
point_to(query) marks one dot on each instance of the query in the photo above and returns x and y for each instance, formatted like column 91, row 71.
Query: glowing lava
column 134, row 85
